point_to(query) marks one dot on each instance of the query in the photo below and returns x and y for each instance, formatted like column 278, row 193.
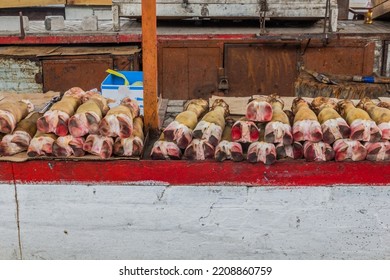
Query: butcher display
column 227, row 149
column 318, row 151
column 293, row 151
column 180, row 130
column 88, row 115
column 211, row 126
column 380, row 115
column 133, row 145
column 333, row 126
column 41, row 144
column 13, row 112
column 98, row 145
column 162, row 150
column 278, row 130
column 20, row 139
column 306, row 126
column 363, row 128
column 259, row 110
column 66, row 146
column 245, row 131
column 119, row 120
column 262, row 152
column 346, row 149
column 56, row 119
column 379, row 151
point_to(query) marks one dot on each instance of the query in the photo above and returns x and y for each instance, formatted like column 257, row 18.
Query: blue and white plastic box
column 113, row 87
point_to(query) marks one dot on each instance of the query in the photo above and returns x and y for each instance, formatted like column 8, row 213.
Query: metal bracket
column 22, row 32
column 263, row 7
column 325, row 40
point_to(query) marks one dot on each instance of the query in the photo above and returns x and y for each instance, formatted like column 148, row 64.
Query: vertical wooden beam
column 149, row 62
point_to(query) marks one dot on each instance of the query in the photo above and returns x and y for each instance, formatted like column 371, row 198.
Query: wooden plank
column 29, row 3
column 381, row 10
column 89, row 2
column 149, row 55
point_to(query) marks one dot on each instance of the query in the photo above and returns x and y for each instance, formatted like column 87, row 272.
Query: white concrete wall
column 9, row 244
column 183, row 222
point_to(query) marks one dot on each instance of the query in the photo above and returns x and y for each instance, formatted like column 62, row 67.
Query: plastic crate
column 113, row 87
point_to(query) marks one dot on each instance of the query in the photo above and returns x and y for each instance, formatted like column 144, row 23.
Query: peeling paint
column 18, row 75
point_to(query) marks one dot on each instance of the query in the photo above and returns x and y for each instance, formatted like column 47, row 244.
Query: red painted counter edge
column 297, row 173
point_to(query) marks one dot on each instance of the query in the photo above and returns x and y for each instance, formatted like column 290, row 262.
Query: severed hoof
column 278, row 132
column 62, row 127
column 245, row 132
column 335, row 129
column 199, row 150
column 119, row 125
column 163, row 150
column 259, row 111
column 318, row 151
column 66, row 146
column 229, row 151
column 209, row 132
column 179, row 134
column 307, row 130
column 101, row 146
column 40, row 146
column 7, row 122
column 346, row 149
column 379, row 151
column 262, row 152
column 131, row 146
column 385, row 129
column 294, row 151
column 365, row 130
column 84, row 123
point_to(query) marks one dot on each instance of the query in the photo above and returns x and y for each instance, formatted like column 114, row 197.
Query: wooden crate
column 236, row 9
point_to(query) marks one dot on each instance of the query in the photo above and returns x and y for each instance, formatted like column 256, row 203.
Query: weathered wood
column 381, row 10
column 149, row 55
column 302, row 9
column 30, row 3
column 307, row 86
column 89, row 2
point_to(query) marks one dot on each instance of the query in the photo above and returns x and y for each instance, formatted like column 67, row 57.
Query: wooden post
column 149, row 62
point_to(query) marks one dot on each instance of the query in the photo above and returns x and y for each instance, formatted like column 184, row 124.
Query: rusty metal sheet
column 127, row 63
column 261, row 69
column 343, row 6
column 357, row 59
column 87, row 73
column 203, row 72
column 189, row 72
column 173, row 73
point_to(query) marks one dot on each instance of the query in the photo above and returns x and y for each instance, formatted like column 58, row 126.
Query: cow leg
column 262, row 152
column 199, row 150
